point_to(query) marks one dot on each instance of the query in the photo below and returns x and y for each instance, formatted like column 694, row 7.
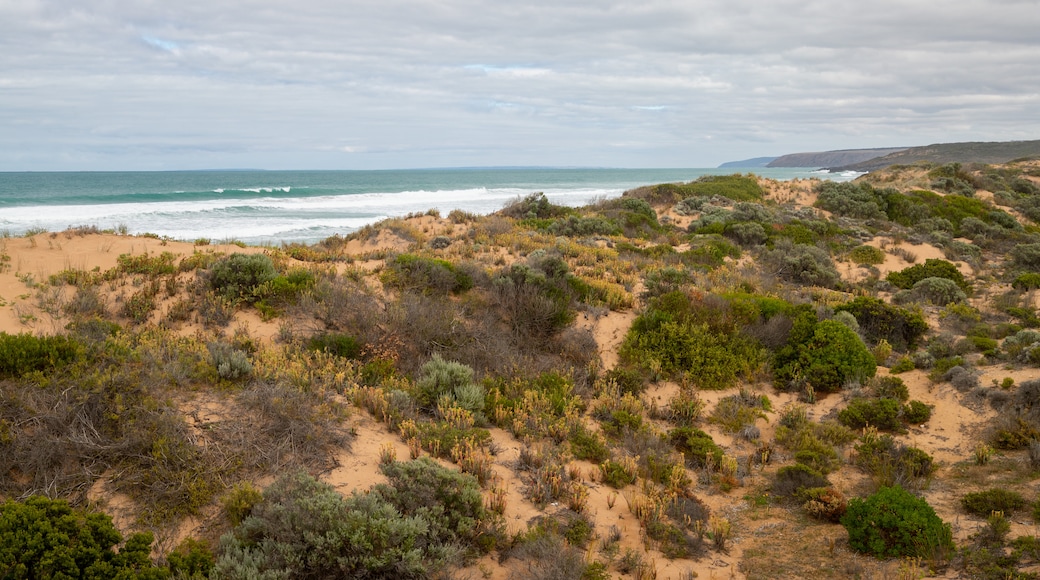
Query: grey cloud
column 397, row 83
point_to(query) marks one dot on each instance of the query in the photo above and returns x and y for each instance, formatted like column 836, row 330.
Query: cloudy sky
column 372, row 84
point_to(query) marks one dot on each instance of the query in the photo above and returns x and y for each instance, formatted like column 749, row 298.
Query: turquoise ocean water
column 270, row 207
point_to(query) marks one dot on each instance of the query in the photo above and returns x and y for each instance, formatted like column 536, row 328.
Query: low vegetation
column 794, row 363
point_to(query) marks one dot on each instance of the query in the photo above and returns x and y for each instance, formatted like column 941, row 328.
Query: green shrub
column 937, row 291
column 238, row 277
column 802, row 264
column 931, row 268
column 904, row 364
column 734, row 412
column 425, row 275
column 153, row 266
column 535, row 298
column 231, row 363
column 697, row 446
column 917, row 413
column 983, row 503
column 883, row 414
column 449, row 502
column 575, row 226
column 341, row 345
column 831, row 357
column 682, row 337
column 1026, row 256
column 23, row 353
column 891, row 462
column 735, row 187
column 588, row 445
column 45, row 538
column 851, row 199
column 439, row 378
column 534, row 206
column 867, row 255
column 889, row 388
column 894, row 523
column 304, row 528
column 792, row 480
column 618, row 474
column 879, row 321
column 1026, row 281
column 239, row 501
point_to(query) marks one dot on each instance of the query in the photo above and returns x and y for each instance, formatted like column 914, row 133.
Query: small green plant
column 239, row 501
column 618, row 474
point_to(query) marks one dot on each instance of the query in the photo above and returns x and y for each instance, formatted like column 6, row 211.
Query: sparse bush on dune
column 801, row 264
column 238, row 277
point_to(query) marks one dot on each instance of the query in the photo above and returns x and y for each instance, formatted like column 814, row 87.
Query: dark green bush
column 1026, row 281
column 893, row 523
column 23, row 353
column 889, row 387
column 879, row 320
column 883, row 414
column 536, row 299
column 45, row 538
column 341, row 345
column 587, row 445
column 983, row 503
column 617, row 474
column 931, row 268
column 891, row 462
column 239, row 277
column 581, row 226
column 698, row 447
column 917, row 413
column 409, row 528
column 792, row 480
column 447, row 500
column 832, row 356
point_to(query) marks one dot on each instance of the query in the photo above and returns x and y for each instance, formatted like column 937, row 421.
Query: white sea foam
column 280, row 218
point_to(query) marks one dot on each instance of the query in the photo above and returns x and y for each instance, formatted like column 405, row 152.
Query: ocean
column 273, row 207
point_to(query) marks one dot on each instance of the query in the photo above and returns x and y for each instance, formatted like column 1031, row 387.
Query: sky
column 384, row 84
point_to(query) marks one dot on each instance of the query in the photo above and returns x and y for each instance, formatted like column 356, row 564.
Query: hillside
column 830, row 158
column 942, row 153
column 730, row 378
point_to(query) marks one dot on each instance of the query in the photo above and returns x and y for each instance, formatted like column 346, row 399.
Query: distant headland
column 873, row 159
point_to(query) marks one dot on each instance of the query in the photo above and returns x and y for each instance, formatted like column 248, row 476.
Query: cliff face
column 831, row 158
